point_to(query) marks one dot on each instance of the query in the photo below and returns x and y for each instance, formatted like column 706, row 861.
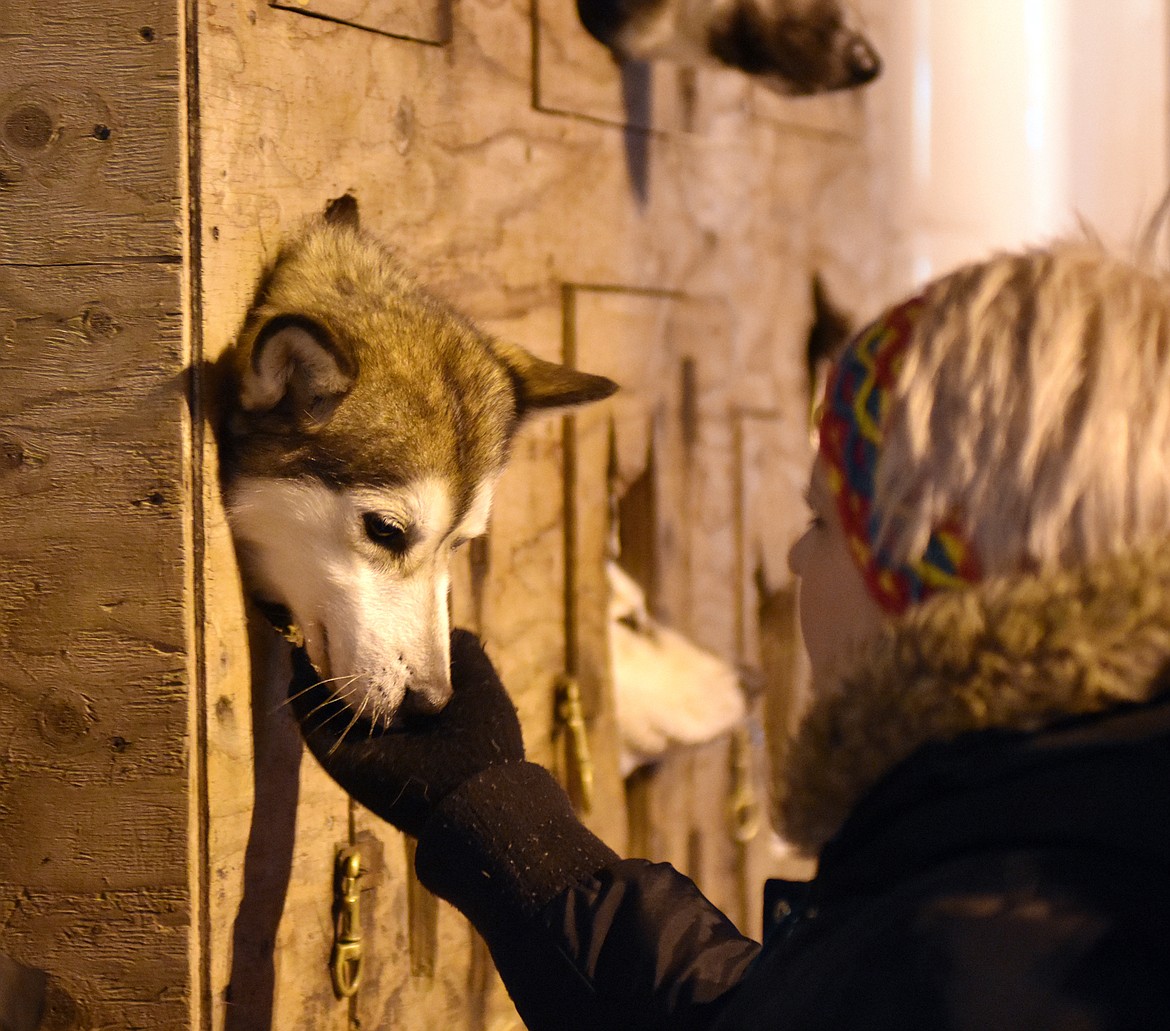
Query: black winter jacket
column 1005, row 880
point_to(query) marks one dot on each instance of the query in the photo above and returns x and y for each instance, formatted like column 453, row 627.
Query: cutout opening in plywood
column 828, row 333
column 636, row 516
column 780, row 651
column 639, row 789
column 772, row 466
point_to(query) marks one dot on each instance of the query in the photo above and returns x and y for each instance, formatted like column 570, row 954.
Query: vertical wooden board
column 89, row 132
column 526, row 623
column 275, row 823
column 527, row 629
column 683, row 803
column 387, row 996
column 622, row 332
column 228, row 772
column 94, row 633
column 427, row 22
column 701, row 329
column 274, row 818
column 773, row 455
column 99, row 978
column 708, row 790
column 673, row 355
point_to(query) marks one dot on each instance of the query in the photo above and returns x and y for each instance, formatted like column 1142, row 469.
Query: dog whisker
column 340, row 696
column 356, row 716
column 347, row 676
column 292, row 698
column 341, row 711
column 337, row 700
column 338, row 693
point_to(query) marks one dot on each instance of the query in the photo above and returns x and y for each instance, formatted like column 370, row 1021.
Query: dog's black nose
column 418, row 704
column 862, row 61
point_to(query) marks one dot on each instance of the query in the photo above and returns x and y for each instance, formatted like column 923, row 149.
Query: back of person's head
column 1023, row 402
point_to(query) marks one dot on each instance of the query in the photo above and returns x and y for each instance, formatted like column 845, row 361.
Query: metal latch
column 345, row 964
column 744, row 805
column 578, row 759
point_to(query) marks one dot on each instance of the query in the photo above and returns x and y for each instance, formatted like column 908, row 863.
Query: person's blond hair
column 1034, row 404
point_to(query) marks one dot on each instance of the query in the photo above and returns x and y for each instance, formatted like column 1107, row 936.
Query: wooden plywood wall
column 658, row 224
column 96, row 664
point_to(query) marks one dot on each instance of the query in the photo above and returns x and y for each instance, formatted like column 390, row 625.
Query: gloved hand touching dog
column 403, row 772
column 496, row 835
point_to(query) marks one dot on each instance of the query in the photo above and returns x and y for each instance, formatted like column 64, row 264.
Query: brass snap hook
column 570, row 717
column 345, row 963
column 743, row 808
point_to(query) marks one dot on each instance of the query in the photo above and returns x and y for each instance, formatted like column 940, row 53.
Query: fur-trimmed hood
column 1015, row 653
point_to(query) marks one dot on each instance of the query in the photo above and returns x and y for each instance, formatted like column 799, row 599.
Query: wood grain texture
column 94, row 857
column 90, row 132
column 99, row 975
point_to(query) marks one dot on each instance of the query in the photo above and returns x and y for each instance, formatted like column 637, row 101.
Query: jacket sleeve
column 584, row 940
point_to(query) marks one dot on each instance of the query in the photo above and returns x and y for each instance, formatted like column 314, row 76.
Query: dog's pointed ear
column 343, row 211
column 298, row 367
column 542, row 385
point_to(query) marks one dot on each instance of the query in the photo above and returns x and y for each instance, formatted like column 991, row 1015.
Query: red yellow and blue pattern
column 852, row 424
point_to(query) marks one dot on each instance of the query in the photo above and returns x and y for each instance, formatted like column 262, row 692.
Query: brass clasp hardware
column 579, row 762
column 743, row 808
column 345, row 964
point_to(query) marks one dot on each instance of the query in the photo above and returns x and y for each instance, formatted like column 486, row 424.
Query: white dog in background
column 668, row 691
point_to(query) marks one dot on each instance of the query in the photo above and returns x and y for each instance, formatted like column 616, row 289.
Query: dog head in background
column 794, row 47
column 366, row 424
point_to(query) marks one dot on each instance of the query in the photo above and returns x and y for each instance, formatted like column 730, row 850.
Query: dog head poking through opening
column 794, row 47
column 366, row 426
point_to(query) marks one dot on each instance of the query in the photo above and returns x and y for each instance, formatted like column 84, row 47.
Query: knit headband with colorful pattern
column 852, row 425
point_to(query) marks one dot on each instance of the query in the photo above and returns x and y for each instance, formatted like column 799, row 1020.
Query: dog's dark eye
column 385, row 533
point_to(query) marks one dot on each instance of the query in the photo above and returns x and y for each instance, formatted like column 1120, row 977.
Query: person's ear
column 547, row 386
column 298, row 367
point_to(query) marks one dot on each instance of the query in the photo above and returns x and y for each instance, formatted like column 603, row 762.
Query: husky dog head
column 795, row 47
column 366, row 425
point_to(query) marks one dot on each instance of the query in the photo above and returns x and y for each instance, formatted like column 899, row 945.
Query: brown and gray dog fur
column 366, row 423
column 795, row 47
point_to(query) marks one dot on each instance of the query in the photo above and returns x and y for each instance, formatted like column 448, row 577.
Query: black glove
column 402, row 772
